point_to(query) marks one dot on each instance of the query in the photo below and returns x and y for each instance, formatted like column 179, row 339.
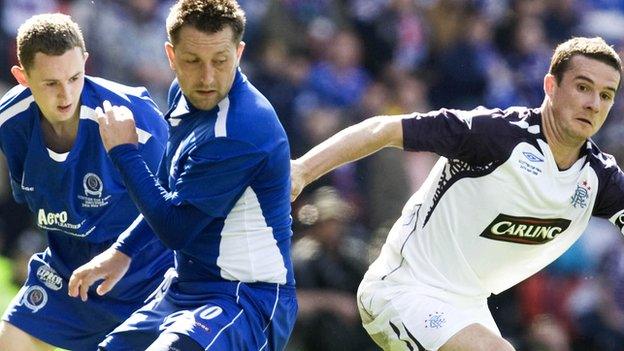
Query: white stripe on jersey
column 13, row 92
column 16, row 109
column 87, row 112
column 119, row 89
column 180, row 109
column 220, row 125
column 248, row 251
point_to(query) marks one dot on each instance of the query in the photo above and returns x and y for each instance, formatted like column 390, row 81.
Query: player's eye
column 606, row 97
column 50, row 84
column 582, row 87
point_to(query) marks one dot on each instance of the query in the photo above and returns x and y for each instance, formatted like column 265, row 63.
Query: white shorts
column 401, row 317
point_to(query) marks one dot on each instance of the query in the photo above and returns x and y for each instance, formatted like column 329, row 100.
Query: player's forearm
column 351, row 144
column 175, row 226
column 135, row 238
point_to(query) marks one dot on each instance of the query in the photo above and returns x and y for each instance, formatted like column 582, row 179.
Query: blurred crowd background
column 326, row 64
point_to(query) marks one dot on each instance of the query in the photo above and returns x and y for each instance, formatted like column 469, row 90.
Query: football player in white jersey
column 513, row 191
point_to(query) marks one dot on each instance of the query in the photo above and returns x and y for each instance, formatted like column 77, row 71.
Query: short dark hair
column 594, row 48
column 50, row 34
column 208, row 16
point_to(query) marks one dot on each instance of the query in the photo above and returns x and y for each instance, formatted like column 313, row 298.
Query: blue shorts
column 43, row 309
column 217, row 315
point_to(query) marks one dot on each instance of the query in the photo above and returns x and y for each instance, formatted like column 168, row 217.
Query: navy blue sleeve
column 134, row 239
column 216, row 174
column 174, row 225
column 610, row 199
column 154, row 132
column 16, row 188
column 476, row 137
column 13, row 166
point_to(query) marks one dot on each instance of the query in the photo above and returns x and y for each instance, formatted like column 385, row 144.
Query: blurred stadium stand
column 326, row 64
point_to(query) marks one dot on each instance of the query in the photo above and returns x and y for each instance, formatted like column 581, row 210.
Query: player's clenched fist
column 116, row 125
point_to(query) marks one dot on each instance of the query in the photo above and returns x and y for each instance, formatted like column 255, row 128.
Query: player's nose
column 593, row 102
column 207, row 74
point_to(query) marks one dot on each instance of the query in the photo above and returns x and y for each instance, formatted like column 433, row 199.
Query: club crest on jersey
column 35, row 298
column 93, row 187
column 581, row 194
column 48, row 276
column 435, row 320
column 525, row 230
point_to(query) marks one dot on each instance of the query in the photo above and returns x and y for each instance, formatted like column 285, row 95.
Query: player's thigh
column 404, row 318
column 476, row 337
column 13, row 338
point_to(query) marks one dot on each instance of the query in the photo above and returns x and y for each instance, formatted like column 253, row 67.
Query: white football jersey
column 495, row 209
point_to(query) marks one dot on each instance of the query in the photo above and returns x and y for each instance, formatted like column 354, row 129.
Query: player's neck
column 60, row 136
column 565, row 152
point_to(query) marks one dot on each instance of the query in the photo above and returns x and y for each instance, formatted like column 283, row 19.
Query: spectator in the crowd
column 328, row 265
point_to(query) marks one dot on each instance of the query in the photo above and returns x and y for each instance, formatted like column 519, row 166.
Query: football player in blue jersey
column 59, row 167
column 220, row 198
column 513, row 190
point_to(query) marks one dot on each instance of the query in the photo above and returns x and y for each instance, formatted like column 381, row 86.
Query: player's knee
column 476, row 337
column 174, row 342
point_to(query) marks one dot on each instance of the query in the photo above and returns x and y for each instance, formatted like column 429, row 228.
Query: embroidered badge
column 35, row 298
column 435, row 320
column 581, row 194
column 93, row 188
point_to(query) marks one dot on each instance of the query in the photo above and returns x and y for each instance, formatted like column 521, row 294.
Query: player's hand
column 110, row 265
column 116, row 125
column 297, row 179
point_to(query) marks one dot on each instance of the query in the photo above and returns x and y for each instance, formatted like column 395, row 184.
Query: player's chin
column 205, row 103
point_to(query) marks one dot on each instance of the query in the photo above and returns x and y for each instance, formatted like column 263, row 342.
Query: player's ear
column 85, row 56
column 170, row 54
column 239, row 52
column 550, row 81
column 20, row 75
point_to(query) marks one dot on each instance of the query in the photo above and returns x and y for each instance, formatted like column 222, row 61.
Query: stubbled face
column 583, row 99
column 205, row 64
column 56, row 83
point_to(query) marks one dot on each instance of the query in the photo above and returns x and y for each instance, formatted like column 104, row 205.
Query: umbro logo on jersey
column 532, row 157
column 525, row 230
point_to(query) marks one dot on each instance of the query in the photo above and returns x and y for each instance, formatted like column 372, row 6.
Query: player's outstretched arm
column 110, row 265
column 350, row 144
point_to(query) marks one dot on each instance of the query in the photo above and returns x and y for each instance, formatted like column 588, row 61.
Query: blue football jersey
column 78, row 198
column 232, row 163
